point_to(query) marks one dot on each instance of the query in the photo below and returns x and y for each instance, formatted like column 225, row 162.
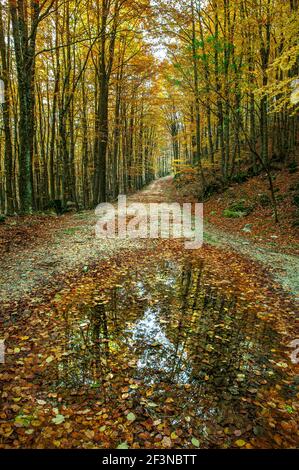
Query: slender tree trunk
column 197, row 102
column 8, row 157
column 24, row 36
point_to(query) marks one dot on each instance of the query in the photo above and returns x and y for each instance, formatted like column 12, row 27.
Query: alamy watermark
column 151, row 221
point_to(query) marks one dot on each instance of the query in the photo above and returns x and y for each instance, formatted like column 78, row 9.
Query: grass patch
column 71, row 231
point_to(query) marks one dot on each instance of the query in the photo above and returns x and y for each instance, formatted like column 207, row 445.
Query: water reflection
column 169, row 326
column 160, row 357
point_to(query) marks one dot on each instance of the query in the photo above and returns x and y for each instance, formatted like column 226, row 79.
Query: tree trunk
column 8, row 156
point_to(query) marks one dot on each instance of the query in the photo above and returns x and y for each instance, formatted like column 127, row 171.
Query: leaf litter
column 182, row 350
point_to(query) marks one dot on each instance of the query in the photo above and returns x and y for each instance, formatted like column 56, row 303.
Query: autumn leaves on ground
column 151, row 347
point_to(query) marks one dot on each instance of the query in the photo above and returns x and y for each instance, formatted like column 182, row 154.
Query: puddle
column 164, row 334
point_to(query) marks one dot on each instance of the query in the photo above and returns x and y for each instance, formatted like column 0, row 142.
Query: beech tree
column 91, row 110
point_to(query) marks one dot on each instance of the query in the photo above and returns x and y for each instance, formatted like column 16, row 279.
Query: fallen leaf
column 195, row 442
column 131, row 417
column 59, row 419
column 166, row 442
column 123, row 445
column 240, row 443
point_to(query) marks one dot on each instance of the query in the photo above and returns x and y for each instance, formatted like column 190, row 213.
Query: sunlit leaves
column 195, row 442
column 49, row 359
column 131, row 417
column 123, row 445
column 58, row 419
column 240, row 443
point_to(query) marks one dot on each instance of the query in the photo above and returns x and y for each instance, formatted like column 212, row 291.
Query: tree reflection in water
column 176, row 329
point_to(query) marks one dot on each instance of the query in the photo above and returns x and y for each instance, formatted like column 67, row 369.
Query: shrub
column 2, row 218
column 296, row 200
column 293, row 167
column 280, row 198
column 231, row 214
column 241, row 207
column 210, row 189
column 240, row 178
column 295, row 187
column 56, row 205
column 264, row 200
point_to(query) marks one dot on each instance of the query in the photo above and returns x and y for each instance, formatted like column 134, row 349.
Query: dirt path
column 73, row 246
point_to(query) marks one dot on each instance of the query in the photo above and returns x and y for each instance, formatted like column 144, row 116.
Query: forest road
column 283, row 267
column 72, row 245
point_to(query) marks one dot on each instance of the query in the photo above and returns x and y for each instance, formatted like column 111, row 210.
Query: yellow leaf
column 169, row 400
column 240, row 443
column 89, row 434
column 131, row 417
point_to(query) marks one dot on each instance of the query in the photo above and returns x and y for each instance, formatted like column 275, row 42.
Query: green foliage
column 264, row 200
column 296, row 200
column 230, row 214
column 293, row 167
column 57, row 206
column 203, row 57
column 212, row 188
column 2, row 218
column 280, row 198
column 198, row 44
column 238, row 209
column 240, row 178
column 295, row 187
column 241, row 206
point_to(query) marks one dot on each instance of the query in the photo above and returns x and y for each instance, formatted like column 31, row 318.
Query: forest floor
column 256, row 236
column 35, row 249
column 260, row 224
column 54, row 276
